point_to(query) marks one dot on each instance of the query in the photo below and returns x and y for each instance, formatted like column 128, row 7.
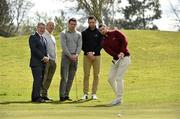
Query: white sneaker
column 116, row 102
column 94, row 97
column 85, row 97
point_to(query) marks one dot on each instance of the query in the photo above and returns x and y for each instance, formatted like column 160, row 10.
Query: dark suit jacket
column 38, row 51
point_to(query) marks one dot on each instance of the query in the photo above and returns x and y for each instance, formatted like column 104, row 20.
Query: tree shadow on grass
column 47, row 102
column 73, row 102
column 102, row 105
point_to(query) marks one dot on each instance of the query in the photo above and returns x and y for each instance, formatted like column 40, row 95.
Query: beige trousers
column 116, row 75
column 96, row 69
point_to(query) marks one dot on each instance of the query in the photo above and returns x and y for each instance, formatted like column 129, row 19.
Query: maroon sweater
column 115, row 42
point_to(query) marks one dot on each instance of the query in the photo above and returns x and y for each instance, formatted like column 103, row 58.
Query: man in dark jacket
column 38, row 61
column 91, row 40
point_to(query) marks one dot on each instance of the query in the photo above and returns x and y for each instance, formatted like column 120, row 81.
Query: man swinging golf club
column 115, row 44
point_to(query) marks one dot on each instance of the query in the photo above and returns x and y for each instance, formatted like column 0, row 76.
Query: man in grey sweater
column 71, row 43
column 51, row 65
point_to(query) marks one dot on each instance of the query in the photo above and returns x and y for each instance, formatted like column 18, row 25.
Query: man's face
column 41, row 29
column 103, row 30
column 50, row 27
column 72, row 25
column 92, row 23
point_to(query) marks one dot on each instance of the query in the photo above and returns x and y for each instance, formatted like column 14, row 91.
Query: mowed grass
column 152, row 83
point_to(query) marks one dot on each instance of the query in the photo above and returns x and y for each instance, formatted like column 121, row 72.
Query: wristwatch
column 92, row 53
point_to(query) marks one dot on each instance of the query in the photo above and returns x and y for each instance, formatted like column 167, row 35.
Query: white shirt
column 50, row 45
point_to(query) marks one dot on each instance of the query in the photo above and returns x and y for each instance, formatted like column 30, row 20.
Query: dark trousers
column 68, row 70
column 38, row 73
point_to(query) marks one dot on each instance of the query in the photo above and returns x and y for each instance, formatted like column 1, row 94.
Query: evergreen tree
column 139, row 14
column 5, row 18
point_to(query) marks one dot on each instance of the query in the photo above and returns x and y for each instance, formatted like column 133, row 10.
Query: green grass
column 152, row 86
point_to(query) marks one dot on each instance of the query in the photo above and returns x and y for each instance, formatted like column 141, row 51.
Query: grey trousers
column 48, row 75
column 68, row 70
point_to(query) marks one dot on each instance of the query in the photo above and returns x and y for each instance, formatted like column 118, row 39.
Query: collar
column 47, row 32
column 70, row 30
column 91, row 29
column 38, row 34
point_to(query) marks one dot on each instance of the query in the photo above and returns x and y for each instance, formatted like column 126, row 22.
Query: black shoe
column 62, row 99
column 46, row 98
column 67, row 98
column 39, row 100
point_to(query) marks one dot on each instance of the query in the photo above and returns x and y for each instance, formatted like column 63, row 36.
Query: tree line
column 136, row 14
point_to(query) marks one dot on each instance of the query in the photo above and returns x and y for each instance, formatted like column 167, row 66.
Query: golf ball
column 119, row 115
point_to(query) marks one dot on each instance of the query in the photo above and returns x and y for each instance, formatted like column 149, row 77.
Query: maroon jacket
column 115, row 42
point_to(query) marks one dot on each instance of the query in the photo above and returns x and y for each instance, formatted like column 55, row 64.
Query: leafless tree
column 41, row 17
column 176, row 11
column 98, row 8
column 19, row 9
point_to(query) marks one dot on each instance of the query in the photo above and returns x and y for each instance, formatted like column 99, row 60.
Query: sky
column 51, row 7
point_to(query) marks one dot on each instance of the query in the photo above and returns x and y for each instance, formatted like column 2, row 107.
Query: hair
column 101, row 25
column 72, row 19
column 49, row 22
column 40, row 23
column 91, row 17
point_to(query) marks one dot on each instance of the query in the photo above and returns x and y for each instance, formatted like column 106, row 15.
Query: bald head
column 50, row 26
